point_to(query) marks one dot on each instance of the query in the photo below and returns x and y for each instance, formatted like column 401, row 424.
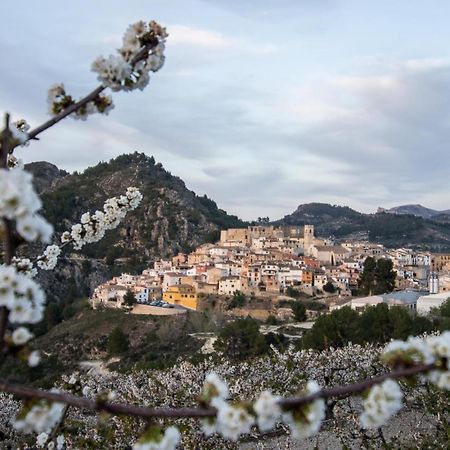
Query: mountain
column 171, row 218
column 414, row 210
column 392, row 230
column 45, row 175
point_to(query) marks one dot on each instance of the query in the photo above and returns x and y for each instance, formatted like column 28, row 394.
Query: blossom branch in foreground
column 356, row 388
column 5, row 226
column 137, row 53
column 140, row 411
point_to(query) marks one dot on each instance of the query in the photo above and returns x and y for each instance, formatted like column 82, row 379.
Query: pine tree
column 117, row 342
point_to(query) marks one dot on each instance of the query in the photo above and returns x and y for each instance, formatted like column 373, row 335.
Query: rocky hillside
column 45, row 175
column 393, row 230
column 171, row 218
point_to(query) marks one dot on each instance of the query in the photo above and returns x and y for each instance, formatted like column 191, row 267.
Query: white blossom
column 413, row 351
column 19, row 131
column 34, row 358
column 383, row 401
column 92, row 227
column 86, row 390
column 305, row 421
column 168, row 441
column 267, row 410
column 65, row 237
column 8, row 284
column 19, row 202
column 231, row 421
column 14, row 162
column 24, row 266
column 112, row 71
column 41, row 439
column 49, row 259
column 41, row 417
column 122, row 71
column 214, row 387
column 60, row 441
column 21, row 295
column 21, row 336
column 440, row 348
column 55, row 95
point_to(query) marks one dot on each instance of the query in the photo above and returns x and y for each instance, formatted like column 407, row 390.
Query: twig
column 140, row 411
column 65, row 112
column 356, row 388
column 91, row 96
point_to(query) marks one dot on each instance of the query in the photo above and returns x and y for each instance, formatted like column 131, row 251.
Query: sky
column 261, row 105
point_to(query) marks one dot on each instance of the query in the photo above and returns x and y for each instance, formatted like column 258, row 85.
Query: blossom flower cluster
column 23, row 297
column 19, row 202
column 121, row 72
column 13, row 162
column 49, row 259
column 233, row 420
column 93, row 226
column 415, row 351
column 39, row 416
column 19, row 131
column 58, row 100
column 24, row 266
column 383, row 401
column 305, row 421
column 42, row 441
column 21, row 336
column 154, row 439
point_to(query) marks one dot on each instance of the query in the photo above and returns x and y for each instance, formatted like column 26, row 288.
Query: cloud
column 390, row 129
column 186, row 35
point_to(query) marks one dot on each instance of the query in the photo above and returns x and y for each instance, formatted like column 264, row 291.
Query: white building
column 171, row 279
column 426, row 302
column 229, row 285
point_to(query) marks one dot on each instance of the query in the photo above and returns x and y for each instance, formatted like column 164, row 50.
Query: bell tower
column 308, row 237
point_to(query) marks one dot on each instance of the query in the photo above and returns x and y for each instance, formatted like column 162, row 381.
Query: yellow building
column 181, row 294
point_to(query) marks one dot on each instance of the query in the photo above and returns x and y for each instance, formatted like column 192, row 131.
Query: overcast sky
column 261, row 105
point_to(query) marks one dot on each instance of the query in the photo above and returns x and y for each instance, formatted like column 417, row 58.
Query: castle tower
column 433, row 283
column 308, row 237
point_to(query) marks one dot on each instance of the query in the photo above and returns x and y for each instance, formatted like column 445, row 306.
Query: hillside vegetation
column 392, row 230
column 170, row 218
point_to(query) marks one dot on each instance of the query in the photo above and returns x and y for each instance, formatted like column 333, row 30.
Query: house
column 171, row 279
column 329, row 254
column 182, row 295
column 229, row 285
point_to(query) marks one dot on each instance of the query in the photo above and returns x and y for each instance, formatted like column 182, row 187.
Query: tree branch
column 142, row 54
column 355, row 388
column 65, row 112
column 140, row 411
column 8, row 239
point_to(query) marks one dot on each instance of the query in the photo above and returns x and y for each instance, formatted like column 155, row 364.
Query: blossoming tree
column 22, row 300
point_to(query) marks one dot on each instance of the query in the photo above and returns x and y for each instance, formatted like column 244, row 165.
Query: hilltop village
column 269, row 264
